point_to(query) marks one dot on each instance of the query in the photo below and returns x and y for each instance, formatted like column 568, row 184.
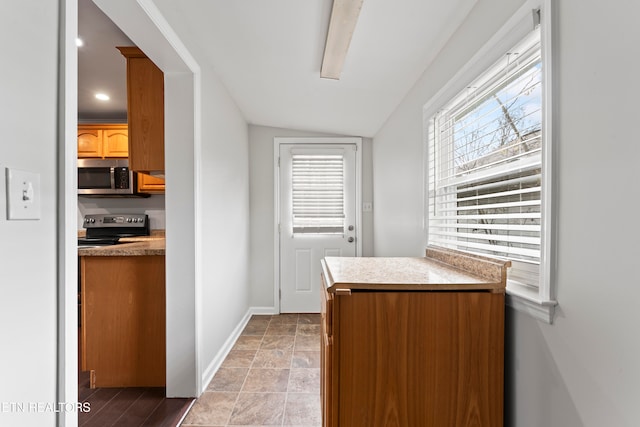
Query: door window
column 317, row 185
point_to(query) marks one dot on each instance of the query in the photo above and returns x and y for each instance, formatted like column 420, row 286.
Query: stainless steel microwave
column 106, row 177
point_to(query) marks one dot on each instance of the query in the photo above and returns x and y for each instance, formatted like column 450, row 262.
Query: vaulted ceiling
column 268, row 54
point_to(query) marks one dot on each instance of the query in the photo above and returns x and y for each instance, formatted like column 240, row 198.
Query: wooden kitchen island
column 123, row 313
column 413, row 341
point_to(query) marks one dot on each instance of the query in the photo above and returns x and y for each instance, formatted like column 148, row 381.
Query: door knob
column 350, row 239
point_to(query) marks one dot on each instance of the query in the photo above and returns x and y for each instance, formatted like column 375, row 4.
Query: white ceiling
column 101, row 67
column 268, row 54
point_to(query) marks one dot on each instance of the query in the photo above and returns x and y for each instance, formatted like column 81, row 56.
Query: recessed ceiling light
column 102, row 96
column 79, row 42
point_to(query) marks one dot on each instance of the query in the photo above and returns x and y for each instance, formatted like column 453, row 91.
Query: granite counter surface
column 442, row 269
column 129, row 246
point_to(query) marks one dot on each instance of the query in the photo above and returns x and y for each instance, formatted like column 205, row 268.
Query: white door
column 317, row 217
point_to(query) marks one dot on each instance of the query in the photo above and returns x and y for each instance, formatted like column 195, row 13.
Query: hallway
column 271, row 377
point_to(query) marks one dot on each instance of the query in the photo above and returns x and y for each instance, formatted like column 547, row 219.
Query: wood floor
column 128, row 407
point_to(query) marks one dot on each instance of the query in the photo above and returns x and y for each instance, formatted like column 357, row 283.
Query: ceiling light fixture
column 102, row 96
column 344, row 16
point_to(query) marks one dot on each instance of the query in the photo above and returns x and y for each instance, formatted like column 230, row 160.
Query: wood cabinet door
column 123, row 320
column 145, row 108
column 89, row 142
column 327, row 384
column 115, row 141
column 427, row 359
column 150, row 184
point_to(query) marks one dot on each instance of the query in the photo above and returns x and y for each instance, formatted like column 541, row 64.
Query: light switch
column 23, row 194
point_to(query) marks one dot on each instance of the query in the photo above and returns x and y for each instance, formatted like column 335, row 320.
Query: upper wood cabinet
column 103, row 140
column 150, row 184
column 116, row 142
column 145, row 111
column 89, row 141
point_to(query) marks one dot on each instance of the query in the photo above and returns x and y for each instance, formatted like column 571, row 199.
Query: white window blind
column 485, row 164
column 318, row 193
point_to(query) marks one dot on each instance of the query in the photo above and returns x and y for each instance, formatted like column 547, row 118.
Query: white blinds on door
column 485, row 165
column 318, row 193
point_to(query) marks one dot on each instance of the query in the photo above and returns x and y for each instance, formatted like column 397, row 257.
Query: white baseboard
column 263, row 310
column 215, row 364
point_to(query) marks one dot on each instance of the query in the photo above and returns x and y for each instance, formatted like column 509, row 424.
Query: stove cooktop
column 107, row 229
column 97, row 241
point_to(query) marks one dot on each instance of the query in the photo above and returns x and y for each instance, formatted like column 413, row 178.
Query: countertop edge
column 489, row 287
column 151, row 247
column 489, row 272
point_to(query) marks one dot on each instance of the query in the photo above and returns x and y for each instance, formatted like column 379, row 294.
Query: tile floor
column 271, row 377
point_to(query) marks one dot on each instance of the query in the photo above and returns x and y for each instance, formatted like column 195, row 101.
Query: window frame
column 539, row 303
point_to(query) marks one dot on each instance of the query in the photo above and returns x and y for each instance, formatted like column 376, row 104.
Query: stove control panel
column 111, row 220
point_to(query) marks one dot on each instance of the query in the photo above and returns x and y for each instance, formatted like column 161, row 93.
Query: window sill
column 528, row 301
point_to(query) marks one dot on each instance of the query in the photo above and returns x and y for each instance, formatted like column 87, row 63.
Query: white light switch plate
column 23, row 194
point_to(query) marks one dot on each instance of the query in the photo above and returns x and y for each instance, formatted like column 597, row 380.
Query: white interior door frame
column 143, row 23
column 277, row 142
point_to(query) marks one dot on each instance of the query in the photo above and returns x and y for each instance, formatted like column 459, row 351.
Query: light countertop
column 441, row 269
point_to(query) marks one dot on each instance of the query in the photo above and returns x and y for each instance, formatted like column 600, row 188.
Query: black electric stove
column 107, row 229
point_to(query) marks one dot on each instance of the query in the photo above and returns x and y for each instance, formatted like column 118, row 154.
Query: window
column 318, row 193
column 486, row 170
column 485, row 179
